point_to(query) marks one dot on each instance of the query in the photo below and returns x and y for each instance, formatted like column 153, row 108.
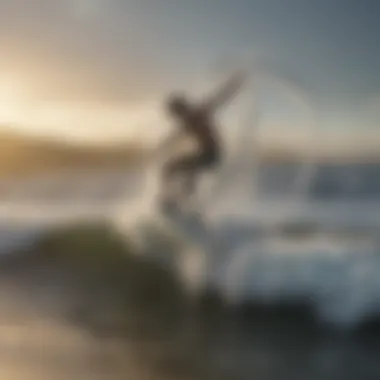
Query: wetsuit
column 196, row 124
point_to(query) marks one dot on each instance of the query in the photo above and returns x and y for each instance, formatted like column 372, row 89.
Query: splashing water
column 244, row 255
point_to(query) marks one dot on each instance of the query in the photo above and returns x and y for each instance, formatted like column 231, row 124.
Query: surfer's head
column 177, row 105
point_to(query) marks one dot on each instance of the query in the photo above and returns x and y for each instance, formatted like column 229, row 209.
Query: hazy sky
column 125, row 53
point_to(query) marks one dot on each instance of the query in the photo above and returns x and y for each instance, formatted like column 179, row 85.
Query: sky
column 101, row 68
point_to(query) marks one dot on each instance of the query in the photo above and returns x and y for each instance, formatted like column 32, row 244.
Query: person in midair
column 197, row 121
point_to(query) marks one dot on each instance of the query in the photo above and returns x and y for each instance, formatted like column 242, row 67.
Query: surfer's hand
column 227, row 91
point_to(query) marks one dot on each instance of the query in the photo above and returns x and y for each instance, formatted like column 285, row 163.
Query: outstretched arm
column 225, row 92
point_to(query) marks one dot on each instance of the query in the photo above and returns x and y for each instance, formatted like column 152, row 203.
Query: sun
column 13, row 99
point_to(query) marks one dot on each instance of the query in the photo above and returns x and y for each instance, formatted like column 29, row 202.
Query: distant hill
column 23, row 155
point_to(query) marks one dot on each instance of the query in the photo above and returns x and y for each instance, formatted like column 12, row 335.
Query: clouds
column 86, row 9
column 115, row 52
column 87, row 50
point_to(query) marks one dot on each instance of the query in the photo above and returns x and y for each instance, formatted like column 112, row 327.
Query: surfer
column 196, row 121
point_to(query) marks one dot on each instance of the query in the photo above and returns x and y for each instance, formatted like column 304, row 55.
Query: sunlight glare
column 12, row 100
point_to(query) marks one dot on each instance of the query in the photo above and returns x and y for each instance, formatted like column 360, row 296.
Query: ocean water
column 295, row 272
column 335, row 182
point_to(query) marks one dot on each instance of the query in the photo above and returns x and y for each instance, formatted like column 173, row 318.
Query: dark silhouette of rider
column 197, row 122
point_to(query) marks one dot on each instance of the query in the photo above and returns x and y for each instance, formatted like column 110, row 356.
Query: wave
column 320, row 253
column 246, row 250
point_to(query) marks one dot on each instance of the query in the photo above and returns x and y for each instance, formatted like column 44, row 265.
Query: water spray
column 262, row 72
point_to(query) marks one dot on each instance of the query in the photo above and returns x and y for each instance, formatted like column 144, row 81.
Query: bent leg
column 181, row 167
column 190, row 166
column 199, row 164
